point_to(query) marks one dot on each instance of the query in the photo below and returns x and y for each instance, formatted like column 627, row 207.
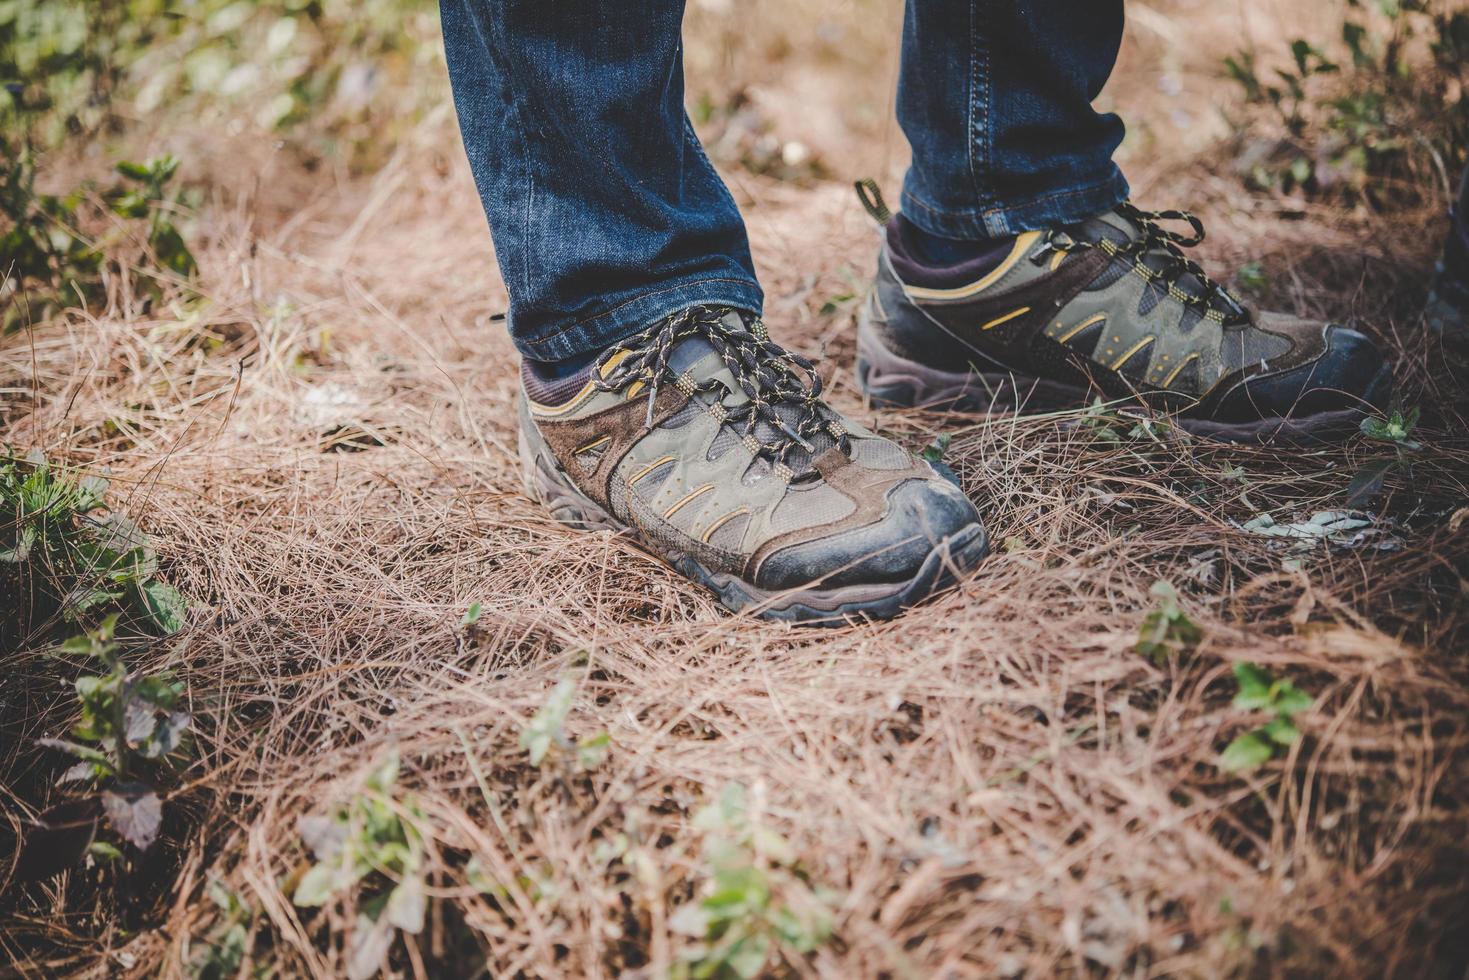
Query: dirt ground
column 996, row 783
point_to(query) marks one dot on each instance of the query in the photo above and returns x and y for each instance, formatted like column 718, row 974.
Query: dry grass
column 995, row 783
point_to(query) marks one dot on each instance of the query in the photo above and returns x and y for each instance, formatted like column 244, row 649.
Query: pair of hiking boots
column 713, row 448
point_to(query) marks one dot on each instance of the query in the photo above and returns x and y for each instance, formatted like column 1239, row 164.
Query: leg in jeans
column 995, row 99
column 605, row 212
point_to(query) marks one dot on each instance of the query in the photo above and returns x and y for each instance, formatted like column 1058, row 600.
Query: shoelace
column 1157, row 240
column 768, row 374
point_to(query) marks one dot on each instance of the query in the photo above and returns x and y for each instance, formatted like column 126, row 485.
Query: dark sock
column 919, row 268
column 566, row 367
column 555, row 382
column 938, row 250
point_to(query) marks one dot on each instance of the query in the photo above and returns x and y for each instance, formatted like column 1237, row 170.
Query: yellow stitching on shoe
column 1023, row 242
column 1117, row 365
column 1168, row 381
column 1094, row 318
column 709, row 532
column 649, row 468
column 687, row 497
column 1006, row 318
column 591, row 445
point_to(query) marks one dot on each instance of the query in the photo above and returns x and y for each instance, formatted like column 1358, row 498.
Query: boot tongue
column 695, row 355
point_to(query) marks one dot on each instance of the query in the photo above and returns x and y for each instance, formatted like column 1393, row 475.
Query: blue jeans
column 607, row 216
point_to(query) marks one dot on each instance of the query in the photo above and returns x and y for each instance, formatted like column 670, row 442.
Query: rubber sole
column 892, row 381
column 546, row 483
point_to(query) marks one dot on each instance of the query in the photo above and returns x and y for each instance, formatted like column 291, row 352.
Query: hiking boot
column 1109, row 305
column 710, row 446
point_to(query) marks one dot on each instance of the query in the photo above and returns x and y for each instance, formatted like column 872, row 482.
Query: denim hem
column 599, row 332
column 994, row 221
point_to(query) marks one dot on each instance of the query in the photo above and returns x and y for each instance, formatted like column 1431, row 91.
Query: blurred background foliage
column 1367, row 114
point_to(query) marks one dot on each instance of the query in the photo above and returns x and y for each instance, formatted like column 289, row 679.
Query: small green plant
column 132, row 730
column 65, row 555
column 934, row 451
column 1167, row 630
column 1258, row 691
column 373, row 847
column 546, row 732
column 1375, row 121
column 757, row 902
column 228, row 943
column 53, row 263
column 1395, row 430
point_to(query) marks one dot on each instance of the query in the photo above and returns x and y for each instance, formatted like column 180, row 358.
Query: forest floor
column 995, row 783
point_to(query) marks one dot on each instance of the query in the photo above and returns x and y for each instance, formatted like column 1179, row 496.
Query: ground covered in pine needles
column 999, row 782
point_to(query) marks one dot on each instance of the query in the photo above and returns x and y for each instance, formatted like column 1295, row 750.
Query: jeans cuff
column 1058, row 207
column 637, row 313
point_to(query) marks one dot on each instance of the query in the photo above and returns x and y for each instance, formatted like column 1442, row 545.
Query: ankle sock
column 555, row 382
column 940, row 251
column 961, row 262
column 566, row 367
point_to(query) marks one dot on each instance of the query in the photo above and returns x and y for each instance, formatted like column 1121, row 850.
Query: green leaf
column 471, row 616
column 1249, row 751
column 934, row 451
column 1254, row 687
column 385, row 775
column 545, row 727
column 1281, row 731
column 135, row 812
column 690, row 920
column 592, row 752
column 83, row 752
column 316, row 886
column 748, row 956
column 407, row 905
column 1289, row 700
column 131, row 170
column 103, row 851
column 164, row 605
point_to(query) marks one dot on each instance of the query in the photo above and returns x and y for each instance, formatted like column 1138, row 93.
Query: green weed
column 371, row 847
column 228, row 943
column 1395, row 430
column 1258, row 691
column 1371, row 116
column 132, row 730
column 545, row 733
column 757, row 903
column 1167, row 630
column 54, row 263
column 65, row 555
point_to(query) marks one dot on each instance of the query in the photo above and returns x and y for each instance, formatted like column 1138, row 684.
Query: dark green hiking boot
column 711, row 447
column 1110, row 306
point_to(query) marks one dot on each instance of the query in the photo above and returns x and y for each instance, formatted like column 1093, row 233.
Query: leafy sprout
column 1167, row 629
column 1258, row 691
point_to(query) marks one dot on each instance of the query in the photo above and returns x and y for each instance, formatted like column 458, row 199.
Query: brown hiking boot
column 711, row 447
